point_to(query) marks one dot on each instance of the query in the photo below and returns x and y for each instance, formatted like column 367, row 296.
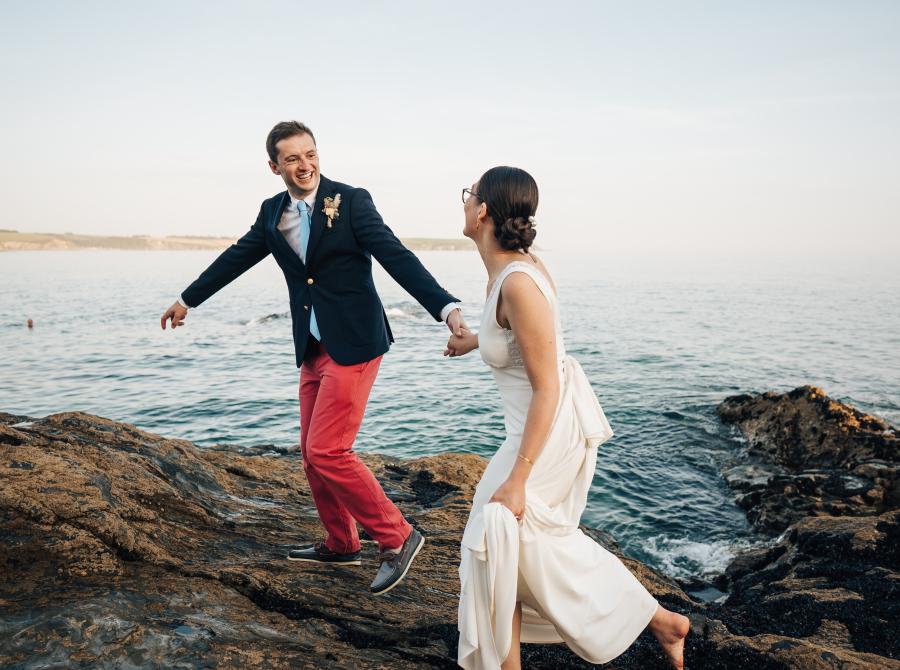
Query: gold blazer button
column 310, row 281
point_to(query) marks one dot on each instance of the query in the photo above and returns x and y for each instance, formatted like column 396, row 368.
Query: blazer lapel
column 317, row 224
column 280, row 241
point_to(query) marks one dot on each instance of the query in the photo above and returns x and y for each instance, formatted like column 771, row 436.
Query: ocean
column 662, row 347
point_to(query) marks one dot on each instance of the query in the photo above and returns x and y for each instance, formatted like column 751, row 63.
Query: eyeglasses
column 468, row 193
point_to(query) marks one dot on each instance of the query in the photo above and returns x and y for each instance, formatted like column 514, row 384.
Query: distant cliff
column 13, row 240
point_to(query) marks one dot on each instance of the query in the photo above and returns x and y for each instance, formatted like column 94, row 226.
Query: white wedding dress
column 572, row 590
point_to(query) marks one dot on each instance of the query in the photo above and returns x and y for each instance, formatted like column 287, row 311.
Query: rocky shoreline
column 13, row 240
column 121, row 548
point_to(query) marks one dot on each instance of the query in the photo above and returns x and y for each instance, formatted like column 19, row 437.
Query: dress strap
column 529, row 269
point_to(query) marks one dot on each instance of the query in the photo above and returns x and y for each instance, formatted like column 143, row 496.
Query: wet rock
column 830, row 583
column 805, row 428
column 749, row 476
column 828, row 459
column 120, row 548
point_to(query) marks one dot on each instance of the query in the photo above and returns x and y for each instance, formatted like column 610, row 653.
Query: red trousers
column 332, row 403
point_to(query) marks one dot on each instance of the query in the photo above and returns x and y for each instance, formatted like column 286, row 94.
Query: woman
column 527, row 572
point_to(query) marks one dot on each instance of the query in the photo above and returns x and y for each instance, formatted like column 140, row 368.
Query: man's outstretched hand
column 456, row 323
column 177, row 313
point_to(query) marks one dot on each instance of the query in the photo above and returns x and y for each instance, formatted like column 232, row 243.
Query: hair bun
column 517, row 233
column 511, row 197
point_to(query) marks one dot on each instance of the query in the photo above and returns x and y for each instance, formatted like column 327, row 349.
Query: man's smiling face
column 297, row 164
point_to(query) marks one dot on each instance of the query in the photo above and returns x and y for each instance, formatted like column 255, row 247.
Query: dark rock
column 831, row 580
column 120, row 548
column 826, row 458
column 429, row 491
column 805, row 429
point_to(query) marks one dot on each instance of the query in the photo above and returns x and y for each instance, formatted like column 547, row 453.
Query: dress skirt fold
column 572, row 590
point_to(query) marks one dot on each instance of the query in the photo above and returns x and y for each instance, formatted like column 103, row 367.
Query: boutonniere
column 331, row 208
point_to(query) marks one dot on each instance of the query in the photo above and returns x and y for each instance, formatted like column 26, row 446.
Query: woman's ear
column 481, row 215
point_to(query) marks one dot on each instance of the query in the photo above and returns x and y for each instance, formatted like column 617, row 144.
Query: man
column 323, row 235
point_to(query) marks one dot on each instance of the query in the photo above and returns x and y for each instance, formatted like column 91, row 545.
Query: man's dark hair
column 283, row 130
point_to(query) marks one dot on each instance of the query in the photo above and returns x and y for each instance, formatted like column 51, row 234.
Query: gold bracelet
column 526, row 459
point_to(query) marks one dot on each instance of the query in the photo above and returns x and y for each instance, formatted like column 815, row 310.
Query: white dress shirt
column 289, row 225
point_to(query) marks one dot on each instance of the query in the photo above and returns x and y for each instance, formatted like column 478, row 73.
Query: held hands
column 462, row 344
column 511, row 495
column 462, row 340
column 456, row 323
column 176, row 313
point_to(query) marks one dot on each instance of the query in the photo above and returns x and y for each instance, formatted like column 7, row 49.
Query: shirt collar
column 310, row 200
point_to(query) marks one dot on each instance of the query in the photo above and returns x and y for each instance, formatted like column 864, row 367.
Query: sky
column 655, row 130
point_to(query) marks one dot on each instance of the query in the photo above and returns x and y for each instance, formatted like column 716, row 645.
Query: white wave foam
column 396, row 312
column 686, row 559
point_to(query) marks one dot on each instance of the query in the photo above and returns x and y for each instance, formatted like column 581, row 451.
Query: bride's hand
column 461, row 345
column 511, row 495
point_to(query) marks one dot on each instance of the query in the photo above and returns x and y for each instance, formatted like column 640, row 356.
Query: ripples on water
column 660, row 349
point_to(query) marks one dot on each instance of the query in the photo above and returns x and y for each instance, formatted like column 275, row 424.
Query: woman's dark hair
column 511, row 196
column 282, row 131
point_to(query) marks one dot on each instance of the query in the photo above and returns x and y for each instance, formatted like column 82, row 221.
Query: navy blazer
column 337, row 277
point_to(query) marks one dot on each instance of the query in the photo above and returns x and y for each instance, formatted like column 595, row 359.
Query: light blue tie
column 304, row 242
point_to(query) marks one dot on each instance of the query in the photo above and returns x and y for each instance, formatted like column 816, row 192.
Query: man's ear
column 274, row 168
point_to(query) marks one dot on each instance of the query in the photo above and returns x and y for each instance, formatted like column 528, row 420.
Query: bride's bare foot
column 670, row 629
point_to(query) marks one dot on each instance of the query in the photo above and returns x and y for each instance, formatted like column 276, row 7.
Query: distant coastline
column 13, row 240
